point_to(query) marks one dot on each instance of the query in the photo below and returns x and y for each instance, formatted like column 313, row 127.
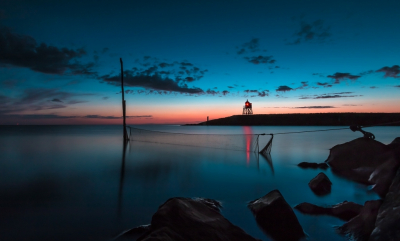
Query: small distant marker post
column 123, row 100
column 207, row 120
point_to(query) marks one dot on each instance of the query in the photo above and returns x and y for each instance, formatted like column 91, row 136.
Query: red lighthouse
column 247, row 108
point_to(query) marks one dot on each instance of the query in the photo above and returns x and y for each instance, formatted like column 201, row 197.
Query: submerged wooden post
column 123, row 100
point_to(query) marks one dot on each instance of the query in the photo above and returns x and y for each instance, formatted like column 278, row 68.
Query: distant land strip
column 314, row 119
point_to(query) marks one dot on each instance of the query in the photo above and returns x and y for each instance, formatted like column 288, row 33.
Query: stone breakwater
column 317, row 119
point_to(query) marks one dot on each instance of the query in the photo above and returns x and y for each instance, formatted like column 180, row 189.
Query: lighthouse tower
column 247, row 108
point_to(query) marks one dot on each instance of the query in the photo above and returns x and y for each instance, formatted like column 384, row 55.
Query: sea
column 81, row 183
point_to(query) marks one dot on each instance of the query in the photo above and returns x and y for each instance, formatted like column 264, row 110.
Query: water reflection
column 249, row 141
column 121, row 180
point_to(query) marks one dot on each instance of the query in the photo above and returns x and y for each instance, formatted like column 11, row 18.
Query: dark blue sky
column 185, row 60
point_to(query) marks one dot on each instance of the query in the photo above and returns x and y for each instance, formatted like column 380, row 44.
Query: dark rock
column 383, row 175
column 182, row 219
column 367, row 161
column 320, row 185
column 276, row 218
column 360, row 227
column 356, row 159
column 133, row 233
column 313, row 165
column 387, row 225
column 345, row 210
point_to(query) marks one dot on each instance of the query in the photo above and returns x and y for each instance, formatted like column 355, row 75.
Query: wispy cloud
column 330, row 96
column 261, row 59
column 338, row 77
column 157, row 76
column 284, row 88
column 312, row 32
column 249, row 47
column 393, row 71
column 24, row 51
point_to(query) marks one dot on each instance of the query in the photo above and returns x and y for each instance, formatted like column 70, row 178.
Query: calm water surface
column 70, row 183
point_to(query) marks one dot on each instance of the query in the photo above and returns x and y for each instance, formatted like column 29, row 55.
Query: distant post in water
column 247, row 108
column 207, row 120
column 123, row 100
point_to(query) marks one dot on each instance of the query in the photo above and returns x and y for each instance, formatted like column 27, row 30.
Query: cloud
column 262, row 93
column 24, row 51
column 304, row 84
column 312, row 32
column 115, row 117
column 314, row 107
column 212, row 92
column 155, row 82
column 231, row 87
column 260, row 59
column 366, row 72
column 284, row 88
column 252, row 46
column 329, row 96
column 38, row 99
column 318, row 74
column 398, row 86
column 393, row 71
column 373, row 87
column 225, row 92
column 325, row 84
column 343, row 76
column 160, row 77
column 105, row 98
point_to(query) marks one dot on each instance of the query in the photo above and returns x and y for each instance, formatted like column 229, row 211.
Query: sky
column 186, row 60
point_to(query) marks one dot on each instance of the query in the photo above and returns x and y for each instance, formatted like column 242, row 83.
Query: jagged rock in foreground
column 366, row 161
column 320, row 185
column 182, row 219
column 313, row 165
column 360, row 227
column 345, row 210
column 276, row 218
column 387, row 225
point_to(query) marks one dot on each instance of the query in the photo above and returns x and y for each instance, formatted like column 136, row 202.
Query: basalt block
column 276, row 218
column 345, row 210
column 182, row 219
column 320, row 185
column 360, row 227
column 313, row 165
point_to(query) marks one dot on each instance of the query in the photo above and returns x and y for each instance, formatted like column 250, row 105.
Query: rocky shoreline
column 362, row 160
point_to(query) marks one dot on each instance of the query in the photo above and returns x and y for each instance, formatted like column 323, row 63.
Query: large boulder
column 383, row 175
column 366, row 161
column 360, row 227
column 313, row 165
column 276, row 218
column 356, row 159
column 182, row 219
column 320, row 185
column 345, row 210
column 387, row 225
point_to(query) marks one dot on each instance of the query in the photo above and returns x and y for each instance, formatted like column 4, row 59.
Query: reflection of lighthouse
column 247, row 108
column 248, row 133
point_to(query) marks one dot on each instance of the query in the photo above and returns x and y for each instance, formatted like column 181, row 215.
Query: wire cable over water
column 239, row 142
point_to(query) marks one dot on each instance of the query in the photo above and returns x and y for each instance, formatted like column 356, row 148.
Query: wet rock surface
column 320, row 185
column 387, row 225
column 276, row 218
column 313, row 165
column 345, row 210
column 360, row 227
column 182, row 219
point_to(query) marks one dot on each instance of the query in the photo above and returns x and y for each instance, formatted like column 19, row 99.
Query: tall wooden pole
column 123, row 99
